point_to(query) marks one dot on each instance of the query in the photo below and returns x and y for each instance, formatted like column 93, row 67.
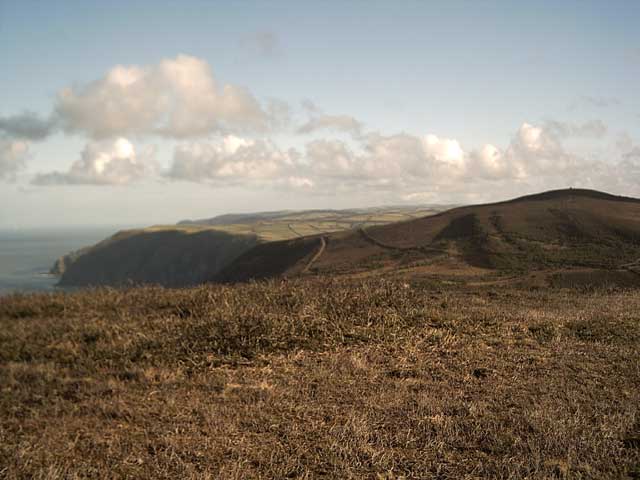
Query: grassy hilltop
column 321, row 378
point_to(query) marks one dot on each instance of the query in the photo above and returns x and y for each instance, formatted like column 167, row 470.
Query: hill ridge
column 566, row 228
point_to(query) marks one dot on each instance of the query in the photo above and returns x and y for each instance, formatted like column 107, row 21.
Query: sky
column 148, row 112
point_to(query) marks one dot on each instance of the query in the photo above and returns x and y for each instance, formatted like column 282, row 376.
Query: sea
column 26, row 255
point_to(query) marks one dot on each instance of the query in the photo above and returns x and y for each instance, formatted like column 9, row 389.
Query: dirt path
column 293, row 230
column 318, row 254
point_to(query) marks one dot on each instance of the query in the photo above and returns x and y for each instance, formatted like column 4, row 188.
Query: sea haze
column 26, row 255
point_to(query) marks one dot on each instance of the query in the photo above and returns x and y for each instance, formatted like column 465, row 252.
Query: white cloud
column 177, row 98
column 331, row 158
column 396, row 158
column 445, row 152
column 13, row 155
column 231, row 160
column 532, row 138
column 402, row 161
column 104, row 163
column 491, row 163
column 386, row 160
column 536, row 151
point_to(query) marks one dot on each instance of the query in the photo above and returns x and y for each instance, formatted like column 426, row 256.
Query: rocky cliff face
column 61, row 264
column 167, row 257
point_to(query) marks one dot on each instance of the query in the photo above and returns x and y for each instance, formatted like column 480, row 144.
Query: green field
column 293, row 224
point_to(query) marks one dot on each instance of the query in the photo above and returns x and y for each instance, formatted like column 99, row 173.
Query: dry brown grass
column 320, row 379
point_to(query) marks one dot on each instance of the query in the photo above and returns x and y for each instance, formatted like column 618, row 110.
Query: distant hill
column 286, row 224
column 195, row 251
column 236, row 218
column 571, row 228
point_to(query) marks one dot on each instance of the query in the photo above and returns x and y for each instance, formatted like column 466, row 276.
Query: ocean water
column 26, row 255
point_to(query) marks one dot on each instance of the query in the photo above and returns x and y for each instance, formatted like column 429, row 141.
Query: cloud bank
column 401, row 163
column 223, row 135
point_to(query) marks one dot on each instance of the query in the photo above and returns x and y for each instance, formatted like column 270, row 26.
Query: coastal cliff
column 170, row 257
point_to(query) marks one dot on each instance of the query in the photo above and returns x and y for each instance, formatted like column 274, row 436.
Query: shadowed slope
column 164, row 257
column 271, row 260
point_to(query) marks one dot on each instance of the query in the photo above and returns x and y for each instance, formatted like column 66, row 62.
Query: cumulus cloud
column 332, row 158
column 180, row 99
column 401, row 161
column 386, row 161
column 490, row 162
column 103, row 163
column 231, row 160
column 445, row 151
column 393, row 163
column 177, row 98
column 13, row 155
column 535, row 150
column 27, row 126
column 393, row 158
column 379, row 160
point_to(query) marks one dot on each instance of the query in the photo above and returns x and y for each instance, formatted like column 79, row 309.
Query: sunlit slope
column 557, row 229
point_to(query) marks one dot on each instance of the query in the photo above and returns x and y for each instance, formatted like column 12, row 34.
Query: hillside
column 321, row 378
column 195, row 251
column 553, row 230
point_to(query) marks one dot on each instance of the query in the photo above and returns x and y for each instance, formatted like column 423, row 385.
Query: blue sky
column 472, row 73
